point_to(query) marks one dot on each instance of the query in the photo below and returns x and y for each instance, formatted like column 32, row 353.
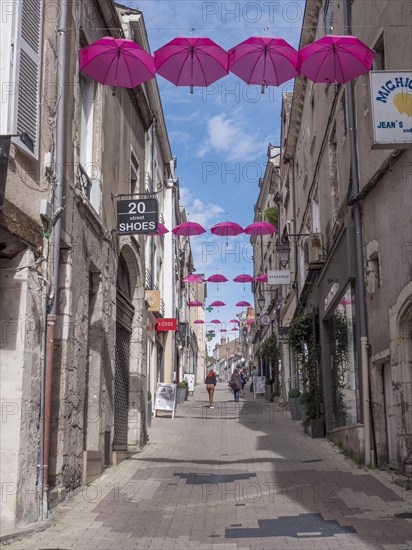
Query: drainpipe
column 295, row 247
column 57, row 208
column 360, row 282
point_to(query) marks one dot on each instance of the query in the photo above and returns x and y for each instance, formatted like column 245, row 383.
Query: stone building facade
column 316, row 168
column 99, row 358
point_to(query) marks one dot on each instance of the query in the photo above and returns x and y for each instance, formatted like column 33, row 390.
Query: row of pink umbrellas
column 198, row 61
column 224, row 229
column 219, row 278
column 217, row 303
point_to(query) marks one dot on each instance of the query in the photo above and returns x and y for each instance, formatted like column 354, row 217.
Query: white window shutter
column 29, row 48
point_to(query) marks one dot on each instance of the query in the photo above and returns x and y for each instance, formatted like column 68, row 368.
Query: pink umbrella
column 263, row 278
column 117, row 62
column 250, row 321
column 234, row 321
column 187, row 229
column 192, row 278
column 161, row 230
column 235, row 328
column 216, row 321
column 217, row 278
column 243, row 303
column 199, row 321
column 260, row 228
column 264, row 60
column 244, row 278
column 191, row 61
column 334, row 58
column 223, row 330
column 217, row 303
column 226, row 229
column 195, row 303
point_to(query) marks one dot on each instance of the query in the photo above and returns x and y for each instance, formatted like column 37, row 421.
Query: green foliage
column 303, row 342
column 338, row 335
column 149, row 396
column 183, row 384
column 294, row 392
column 271, row 215
column 268, row 351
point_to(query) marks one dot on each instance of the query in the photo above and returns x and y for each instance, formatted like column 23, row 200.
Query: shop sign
column 137, row 216
column 166, row 324
column 279, row 277
column 391, row 101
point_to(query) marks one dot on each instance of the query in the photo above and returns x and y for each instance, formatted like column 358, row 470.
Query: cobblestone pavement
column 242, row 475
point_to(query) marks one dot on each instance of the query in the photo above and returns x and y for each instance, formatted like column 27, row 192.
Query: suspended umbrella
column 243, row 303
column 191, row 61
column 244, row 278
column 235, row 328
column 217, row 303
column 335, row 59
column 198, row 321
column 117, row 62
column 227, row 229
column 263, row 278
column 161, row 230
column 188, row 229
column 264, row 60
column 234, row 321
column 215, row 321
column 250, row 321
column 217, row 278
column 192, row 278
column 194, row 303
column 223, row 330
column 260, row 228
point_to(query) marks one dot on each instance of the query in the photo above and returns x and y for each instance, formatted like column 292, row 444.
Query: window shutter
column 29, row 46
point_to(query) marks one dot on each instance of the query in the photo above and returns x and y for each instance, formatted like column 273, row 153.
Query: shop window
column 344, row 362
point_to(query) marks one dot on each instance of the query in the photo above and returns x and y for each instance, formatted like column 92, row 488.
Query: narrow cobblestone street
column 238, row 476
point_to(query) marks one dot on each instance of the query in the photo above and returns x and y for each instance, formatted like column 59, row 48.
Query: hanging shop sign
column 391, row 100
column 137, row 216
column 279, row 277
column 167, row 324
column 152, row 297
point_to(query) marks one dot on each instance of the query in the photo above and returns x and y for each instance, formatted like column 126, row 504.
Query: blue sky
column 220, row 134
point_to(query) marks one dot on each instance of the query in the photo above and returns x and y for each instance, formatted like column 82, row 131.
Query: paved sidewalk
column 242, row 475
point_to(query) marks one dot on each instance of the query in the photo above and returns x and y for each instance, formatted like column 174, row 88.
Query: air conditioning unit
column 314, row 250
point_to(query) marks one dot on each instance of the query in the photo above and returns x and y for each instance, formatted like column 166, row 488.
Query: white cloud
column 228, row 137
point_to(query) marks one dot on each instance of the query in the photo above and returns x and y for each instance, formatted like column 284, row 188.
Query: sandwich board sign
column 165, row 399
column 258, row 385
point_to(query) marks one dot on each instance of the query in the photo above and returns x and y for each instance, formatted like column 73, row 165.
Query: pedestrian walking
column 243, row 378
column 236, row 384
column 210, row 386
column 254, row 372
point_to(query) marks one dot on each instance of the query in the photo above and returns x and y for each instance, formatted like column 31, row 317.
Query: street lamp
column 261, row 302
column 284, row 252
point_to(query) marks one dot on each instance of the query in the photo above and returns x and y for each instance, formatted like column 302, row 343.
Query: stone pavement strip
column 241, row 475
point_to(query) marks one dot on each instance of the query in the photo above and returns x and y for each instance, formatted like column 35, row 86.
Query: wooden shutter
column 29, row 47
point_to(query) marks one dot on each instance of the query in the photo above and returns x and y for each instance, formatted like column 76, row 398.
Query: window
column 27, row 40
column 89, row 181
column 134, row 175
column 379, row 60
column 344, row 362
column 329, row 16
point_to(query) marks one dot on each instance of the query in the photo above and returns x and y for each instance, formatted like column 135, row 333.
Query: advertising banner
column 190, row 378
column 258, row 385
column 165, row 398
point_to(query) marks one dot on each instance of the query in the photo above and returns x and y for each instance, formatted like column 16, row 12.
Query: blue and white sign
column 391, row 100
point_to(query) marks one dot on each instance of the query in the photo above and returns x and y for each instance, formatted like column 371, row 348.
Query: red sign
column 166, row 324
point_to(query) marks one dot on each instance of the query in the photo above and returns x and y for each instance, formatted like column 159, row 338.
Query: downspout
column 57, row 208
column 295, row 248
column 360, row 283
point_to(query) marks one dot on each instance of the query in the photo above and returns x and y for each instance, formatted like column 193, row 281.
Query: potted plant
column 303, row 339
column 181, row 391
column 275, row 396
column 294, row 404
column 268, row 389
